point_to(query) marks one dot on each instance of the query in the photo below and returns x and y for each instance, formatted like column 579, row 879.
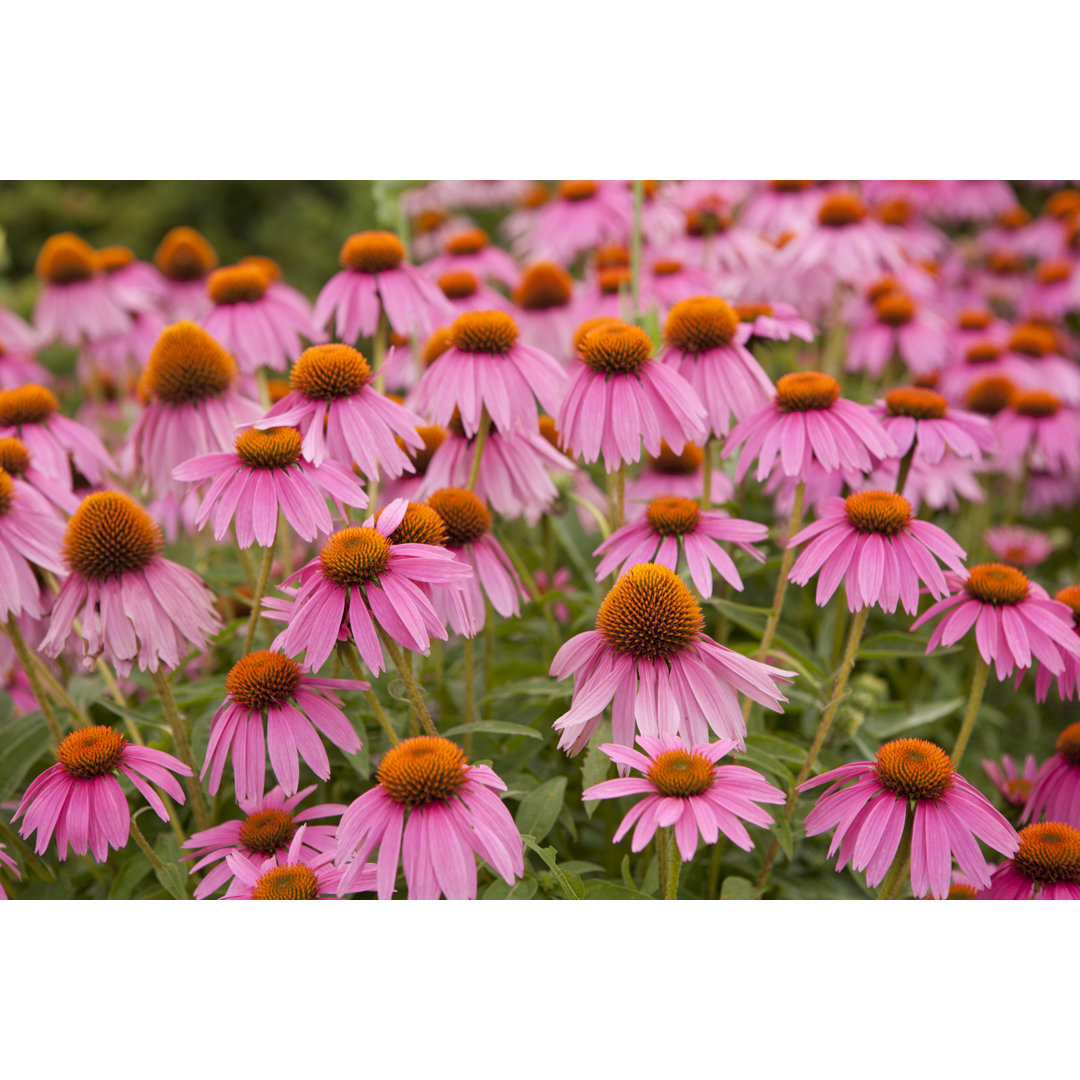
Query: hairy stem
column 978, row 686
column 256, row 599
column 411, row 685
column 33, row 675
column 183, row 748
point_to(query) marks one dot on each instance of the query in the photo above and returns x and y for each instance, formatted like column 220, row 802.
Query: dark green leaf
column 493, row 727
column 893, row 643
column 607, row 890
column 739, row 888
column 174, row 879
column 569, row 883
column 25, row 741
column 540, row 808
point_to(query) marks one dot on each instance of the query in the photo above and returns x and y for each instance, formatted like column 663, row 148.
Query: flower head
column 913, row 415
column 1018, row 546
column 30, row 535
column 1046, row 866
column 1014, row 786
column 1055, row 790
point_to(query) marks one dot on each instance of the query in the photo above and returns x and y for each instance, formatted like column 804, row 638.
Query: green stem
column 785, row 568
column 382, row 336
column 470, row 688
column 148, row 851
column 978, row 686
column 59, row 694
column 352, row 658
column 714, row 869
column 620, row 495
column 707, row 470
column 411, row 686
column 905, row 468
column 635, row 250
column 478, row 448
column 669, row 863
column 898, row 872
column 183, row 748
column 260, row 589
column 33, row 675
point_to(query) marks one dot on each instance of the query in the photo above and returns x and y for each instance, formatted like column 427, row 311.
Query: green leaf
column 887, row 725
column 540, row 808
column 893, row 643
column 624, row 869
column 597, row 764
column 131, row 873
column 608, row 890
column 493, row 727
column 569, row 883
column 783, row 749
column 782, row 829
column 541, row 687
column 524, row 889
column 174, row 879
column 26, row 740
column 739, row 888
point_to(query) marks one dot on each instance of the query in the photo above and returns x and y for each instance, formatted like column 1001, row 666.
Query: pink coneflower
column 436, row 812
column 685, row 788
column 671, row 522
column 1018, row 546
column 487, row 367
column 75, row 304
column 620, row 397
column 1054, row 291
column 301, row 873
column 266, row 474
column 192, row 408
column 9, row 862
column 559, row 583
column 913, row 415
column 918, row 239
column 359, row 580
column 547, row 314
column 268, row 829
column 1033, row 360
column 872, row 542
column 136, row 286
column 809, row 421
column 80, row 797
column 186, row 260
column 668, row 473
column 608, row 293
column 30, row 535
column 464, row 291
column 774, row 322
column 1015, row 620
column 1055, row 788
column 583, row 215
column 1046, row 866
column 32, row 414
column 666, row 281
column 713, row 240
column 408, row 485
column 18, row 341
column 902, row 327
column 1013, row 785
column 377, row 279
column 1068, row 681
column 470, row 250
column 661, row 215
column 431, row 226
column 268, row 687
column 648, row 652
column 285, row 294
column 1037, row 428
column 782, row 206
column 970, row 200
column 869, row 817
column 973, row 325
column 134, row 606
column 468, row 536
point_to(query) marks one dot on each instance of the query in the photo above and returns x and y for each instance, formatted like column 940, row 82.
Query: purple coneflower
column 1018, row 546
column 1055, row 790
column 898, row 326
column 186, row 260
column 1046, row 866
column 9, row 862
column 470, row 250
column 913, row 414
column 1037, row 428
column 1013, row 785
column 30, row 535
column 584, row 214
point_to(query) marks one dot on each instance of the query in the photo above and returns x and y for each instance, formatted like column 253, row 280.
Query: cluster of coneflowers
column 645, row 360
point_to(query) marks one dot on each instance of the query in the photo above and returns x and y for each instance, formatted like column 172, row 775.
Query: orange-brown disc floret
column 997, row 584
column 65, row 259
column 266, row 831
column 790, row 187
column 30, row 404
column 577, row 190
column 292, row 882
column 685, row 463
column 1035, row 402
column 458, row 284
column 185, row 255
column 612, row 256
column 613, row 278
column 550, row 432
column 973, row 319
column 914, row 768
column 1031, row 339
column 1063, row 204
column 110, row 259
column 671, row 515
column 962, row 892
column 420, row 525
column 841, row 208
column 433, row 437
column 492, row 332
column 355, row 556
column 707, row 221
column 894, row 309
column 616, row 348
column 422, row 770
column 372, row 252
column 666, row 267
column 436, row 345
column 990, row 395
column 467, row 242
column 701, row 323
column 917, row 402
column 271, row 270
column 324, row 372
column 882, row 512
column 7, row 492
column 801, row 391
column 589, row 325
column 237, row 284
column 750, row 312
column 1053, row 271
column 1068, row 742
column 464, row 514
column 543, row 286
column 263, row 679
column 1013, row 218
column 1049, row 853
column 427, row 221
column 186, row 365
column 274, row 448
column 1070, row 595
column 14, row 456
column 1005, row 263
column 896, row 212
column 649, row 614
column 982, row 352
column 110, row 534
column 89, row 752
column 680, row 774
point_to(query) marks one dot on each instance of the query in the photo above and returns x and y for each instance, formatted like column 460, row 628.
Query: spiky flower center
column 671, row 464
column 1036, row 403
column 707, row 221
column 649, row 614
column 433, row 437
column 185, row 255
column 1053, row 271
column 701, row 323
column 551, row 432
column 1049, row 852
column 974, row 318
column 610, row 256
column 990, row 395
column 1063, row 204
column 65, row 259
column 914, row 768
column 30, row 404
column 436, row 345
column 882, row 287
column 982, row 352
column 1069, row 595
column 840, row 209
column 671, row 515
column 917, row 402
column 237, row 284
column 458, row 284
column 428, row 221
column 271, row 270
column 355, row 556
column 896, row 212
column 91, row 751
column 274, row 448
column 187, row 365
column 1013, row 218
column 420, row 525
column 790, row 187
column 110, row 259
column 666, row 267
column 265, row 831
column 1005, row 263
column 577, row 190
column 292, row 882
column 591, row 324
column 468, row 242
column 372, row 252
column 882, row 512
column 1068, row 744
column 492, row 332
column 423, row 770
column 464, row 514
column 544, row 286
column 997, row 584
column 616, row 348
column 895, row 309
column 613, row 278
column 7, row 492
column 1032, row 340
column 109, row 535
column 801, row 391
column 325, row 372
column 680, row 774
column 750, row 312
column 263, row 679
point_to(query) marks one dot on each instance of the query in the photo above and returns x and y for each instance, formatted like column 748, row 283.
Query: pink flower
column 436, row 812
column 470, row 250
column 30, row 535
column 666, row 677
column 1038, row 429
column 1055, row 791
column 899, row 325
column 809, row 421
column 267, row 830
column 774, row 322
column 486, row 367
column 18, row 341
column 869, row 817
column 377, row 279
column 1005, row 777
column 1015, row 621
column 913, row 415
column 585, row 214
column 665, row 281
column 80, row 797
column 1019, row 546
column 619, row 398
column 464, row 291
column 1068, row 681
column 297, row 709
column 685, row 788
column 872, row 543
column 359, row 580
column 782, row 206
column 185, row 259
column 133, row 604
column 1045, row 867
column 265, row 475
column 668, row 473
column 9, row 862
column 559, row 583
column 546, row 313
column 671, row 522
